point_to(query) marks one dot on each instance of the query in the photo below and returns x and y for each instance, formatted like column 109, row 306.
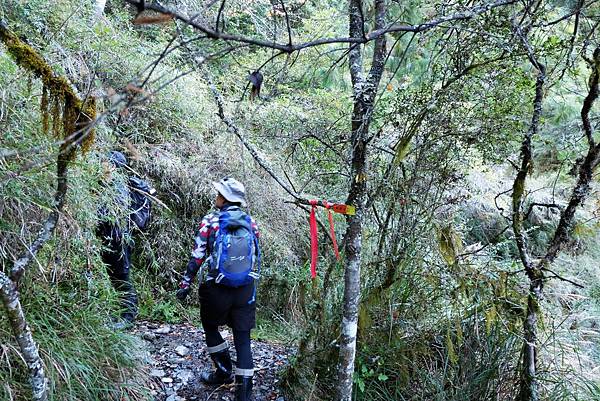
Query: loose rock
column 163, row 330
column 185, row 376
column 182, row 350
column 149, row 336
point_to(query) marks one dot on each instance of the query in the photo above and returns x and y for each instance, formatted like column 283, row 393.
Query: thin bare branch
column 221, row 7
column 287, row 22
column 558, row 276
column 287, row 48
column 534, row 204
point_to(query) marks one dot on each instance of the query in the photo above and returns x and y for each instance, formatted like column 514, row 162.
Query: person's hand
column 183, row 291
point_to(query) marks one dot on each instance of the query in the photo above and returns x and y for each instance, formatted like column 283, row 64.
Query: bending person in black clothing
column 117, row 242
column 227, row 293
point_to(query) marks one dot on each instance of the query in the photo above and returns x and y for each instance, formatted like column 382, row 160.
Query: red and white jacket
column 203, row 241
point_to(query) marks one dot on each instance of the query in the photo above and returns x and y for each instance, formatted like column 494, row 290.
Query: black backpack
column 141, row 203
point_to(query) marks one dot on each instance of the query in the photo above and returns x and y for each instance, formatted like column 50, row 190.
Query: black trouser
column 241, row 340
column 117, row 257
column 232, row 306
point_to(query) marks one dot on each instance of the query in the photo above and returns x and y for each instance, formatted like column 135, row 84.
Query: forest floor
column 177, row 356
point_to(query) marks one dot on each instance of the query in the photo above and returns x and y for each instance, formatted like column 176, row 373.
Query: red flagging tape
column 332, row 230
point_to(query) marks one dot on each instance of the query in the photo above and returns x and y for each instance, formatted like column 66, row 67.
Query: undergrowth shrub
column 84, row 357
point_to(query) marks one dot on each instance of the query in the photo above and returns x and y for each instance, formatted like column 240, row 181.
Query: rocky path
column 178, row 355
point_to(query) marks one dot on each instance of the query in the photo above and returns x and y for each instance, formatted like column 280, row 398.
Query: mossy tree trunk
column 22, row 333
column 528, row 386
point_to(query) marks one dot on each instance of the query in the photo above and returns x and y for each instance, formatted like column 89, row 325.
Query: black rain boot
column 130, row 305
column 130, row 310
column 243, row 388
column 222, row 373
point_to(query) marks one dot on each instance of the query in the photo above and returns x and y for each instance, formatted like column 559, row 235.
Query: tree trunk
column 528, row 382
column 364, row 91
column 99, row 6
column 529, row 388
column 10, row 294
column 353, row 247
column 22, row 333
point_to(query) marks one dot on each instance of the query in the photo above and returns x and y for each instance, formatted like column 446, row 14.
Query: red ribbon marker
column 314, row 246
column 314, row 235
column 332, row 230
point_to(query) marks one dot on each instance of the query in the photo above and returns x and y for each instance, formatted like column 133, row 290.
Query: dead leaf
column 133, row 152
column 147, row 18
column 136, row 89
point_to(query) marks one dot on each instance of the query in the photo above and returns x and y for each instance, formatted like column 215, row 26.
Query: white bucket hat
column 232, row 190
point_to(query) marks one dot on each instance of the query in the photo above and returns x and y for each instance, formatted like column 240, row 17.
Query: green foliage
column 443, row 299
column 595, row 293
column 274, row 329
column 450, row 244
column 365, row 373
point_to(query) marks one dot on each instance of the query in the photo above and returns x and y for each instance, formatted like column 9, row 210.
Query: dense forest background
column 463, row 132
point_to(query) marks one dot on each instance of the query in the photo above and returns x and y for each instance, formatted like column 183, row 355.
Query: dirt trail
column 178, row 355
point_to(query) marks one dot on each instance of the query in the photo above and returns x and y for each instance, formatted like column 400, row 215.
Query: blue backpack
column 235, row 251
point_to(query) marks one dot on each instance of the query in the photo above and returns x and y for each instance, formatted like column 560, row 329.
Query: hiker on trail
column 131, row 207
column 228, row 241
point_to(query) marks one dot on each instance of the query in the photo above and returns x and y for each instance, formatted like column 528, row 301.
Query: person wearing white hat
column 228, row 241
column 231, row 190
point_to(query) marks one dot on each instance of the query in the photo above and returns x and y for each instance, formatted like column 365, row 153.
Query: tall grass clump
column 85, row 358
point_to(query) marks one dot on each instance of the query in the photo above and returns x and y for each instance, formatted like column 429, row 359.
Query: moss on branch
column 69, row 114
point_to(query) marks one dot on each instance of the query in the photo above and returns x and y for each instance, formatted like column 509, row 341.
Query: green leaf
column 402, row 150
